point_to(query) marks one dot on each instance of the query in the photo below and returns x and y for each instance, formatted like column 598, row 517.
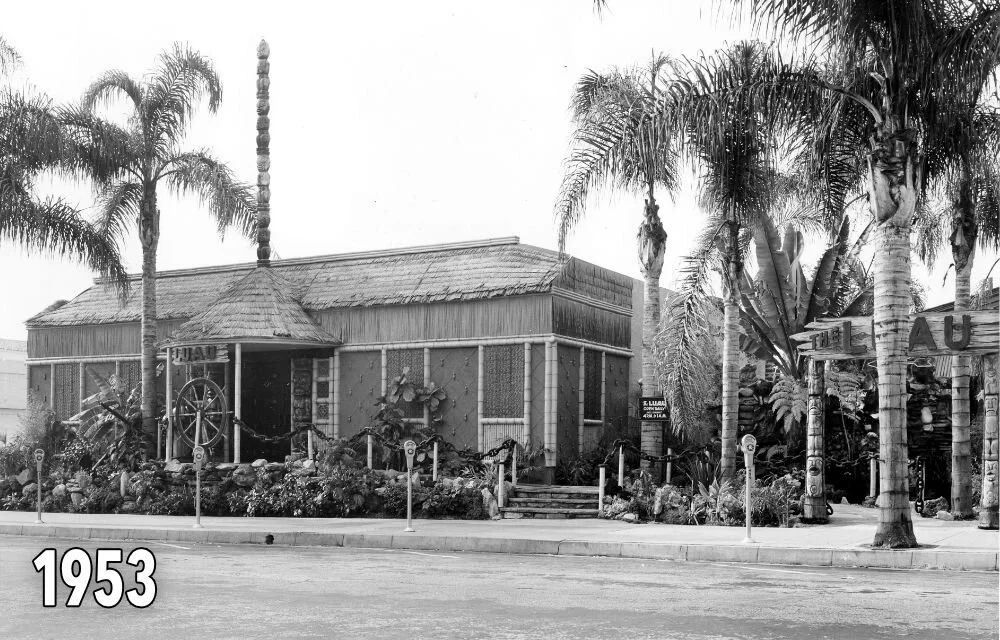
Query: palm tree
column 968, row 199
column 907, row 62
column 32, row 141
column 619, row 138
column 129, row 163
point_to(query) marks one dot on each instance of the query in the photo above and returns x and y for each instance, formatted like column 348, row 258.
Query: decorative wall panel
column 457, row 371
column 568, row 403
column 616, row 390
column 592, row 385
column 503, row 370
column 396, row 361
column 67, row 388
column 360, row 386
column 537, row 395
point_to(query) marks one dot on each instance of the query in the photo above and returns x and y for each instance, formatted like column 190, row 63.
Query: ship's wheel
column 200, row 413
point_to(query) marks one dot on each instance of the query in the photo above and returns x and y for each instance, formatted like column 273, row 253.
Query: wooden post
column 873, row 480
column 513, row 466
column 989, row 518
column 500, row 487
column 621, row 464
column 551, row 408
column 604, row 384
column 169, row 449
column 579, row 404
column 371, row 453
column 434, row 475
column 670, row 464
column 526, row 425
column 238, row 402
column 385, row 370
column 291, row 402
column 480, row 399
column 335, row 393
column 52, row 389
column 602, row 471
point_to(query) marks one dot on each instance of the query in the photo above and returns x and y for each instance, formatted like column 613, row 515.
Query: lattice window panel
column 503, row 373
column 302, row 390
column 592, row 385
column 129, row 375
column 67, row 384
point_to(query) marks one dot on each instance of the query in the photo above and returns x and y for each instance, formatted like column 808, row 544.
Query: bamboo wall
column 575, row 319
column 92, row 340
column 596, row 282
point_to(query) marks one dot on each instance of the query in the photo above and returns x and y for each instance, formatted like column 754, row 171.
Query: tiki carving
column 263, row 155
column 988, row 514
column 814, row 506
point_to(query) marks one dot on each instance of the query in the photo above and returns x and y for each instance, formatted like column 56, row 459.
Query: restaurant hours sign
column 654, row 410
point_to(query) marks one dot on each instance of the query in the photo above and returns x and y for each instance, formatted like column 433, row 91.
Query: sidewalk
column 957, row 546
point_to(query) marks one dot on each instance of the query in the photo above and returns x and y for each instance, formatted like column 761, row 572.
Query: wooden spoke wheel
column 203, row 397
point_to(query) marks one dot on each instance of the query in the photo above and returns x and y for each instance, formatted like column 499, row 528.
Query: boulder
column 226, row 466
column 309, row 464
column 174, row 466
column 630, row 517
column 273, row 466
column 944, row 515
column 59, row 491
column 25, row 477
column 490, row 504
column 76, row 497
column 933, row 507
column 844, row 500
column 259, row 462
column 244, row 476
column 29, row 489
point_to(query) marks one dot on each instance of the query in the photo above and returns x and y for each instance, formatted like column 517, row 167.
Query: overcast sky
column 394, row 123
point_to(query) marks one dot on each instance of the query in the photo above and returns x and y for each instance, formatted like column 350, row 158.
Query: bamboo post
column 52, row 388
column 480, row 399
column 621, row 464
column 526, row 425
column 500, row 487
column 291, row 402
column 335, row 394
column 434, row 475
column 427, row 379
column 873, row 480
column 385, row 370
column 670, row 464
column 604, row 384
column 315, row 407
column 602, row 471
column 579, row 404
column 371, row 452
column 169, row 449
column 238, row 403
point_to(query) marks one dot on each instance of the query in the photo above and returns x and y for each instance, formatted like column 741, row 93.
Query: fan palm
column 619, row 139
column 129, row 164
column 32, row 141
column 907, row 63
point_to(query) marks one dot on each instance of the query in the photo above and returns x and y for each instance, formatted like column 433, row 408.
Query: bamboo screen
column 503, row 373
column 67, row 390
column 92, row 340
column 592, row 385
column 577, row 320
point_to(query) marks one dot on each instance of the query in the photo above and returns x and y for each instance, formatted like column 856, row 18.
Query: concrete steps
column 550, row 501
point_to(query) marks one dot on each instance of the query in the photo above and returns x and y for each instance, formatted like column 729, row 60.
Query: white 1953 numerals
column 76, row 569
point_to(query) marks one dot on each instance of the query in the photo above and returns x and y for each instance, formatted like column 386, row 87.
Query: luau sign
column 201, row 354
column 931, row 334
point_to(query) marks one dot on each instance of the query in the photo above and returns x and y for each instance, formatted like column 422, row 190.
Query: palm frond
column 109, row 85
column 232, row 203
column 9, row 57
column 174, row 91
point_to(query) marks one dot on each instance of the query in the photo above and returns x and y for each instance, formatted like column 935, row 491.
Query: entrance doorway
column 266, row 404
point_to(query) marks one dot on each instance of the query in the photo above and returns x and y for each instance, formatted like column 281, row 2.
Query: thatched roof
column 454, row 272
column 259, row 308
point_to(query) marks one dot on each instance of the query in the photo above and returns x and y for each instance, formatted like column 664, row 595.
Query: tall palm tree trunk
column 652, row 243
column 961, row 452
column 893, row 199
column 730, row 380
column 814, row 506
column 149, row 233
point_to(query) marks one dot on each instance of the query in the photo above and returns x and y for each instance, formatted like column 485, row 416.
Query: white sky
column 393, row 123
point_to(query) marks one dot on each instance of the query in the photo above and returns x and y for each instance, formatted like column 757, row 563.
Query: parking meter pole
column 39, row 457
column 199, row 459
column 749, row 446
column 410, row 449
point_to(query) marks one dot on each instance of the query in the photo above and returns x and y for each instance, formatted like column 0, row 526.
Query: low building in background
column 13, row 384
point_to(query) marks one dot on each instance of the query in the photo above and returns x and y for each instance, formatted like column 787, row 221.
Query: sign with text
column 654, row 409
column 200, row 354
column 930, row 334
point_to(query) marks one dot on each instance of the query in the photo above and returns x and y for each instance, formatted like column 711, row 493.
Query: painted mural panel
column 360, row 386
column 568, row 403
column 457, row 371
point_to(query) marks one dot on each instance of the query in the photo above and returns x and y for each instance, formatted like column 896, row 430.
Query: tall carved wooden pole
column 263, row 156
column 814, row 506
column 989, row 517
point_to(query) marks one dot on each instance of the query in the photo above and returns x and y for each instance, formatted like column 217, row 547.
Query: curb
column 918, row 559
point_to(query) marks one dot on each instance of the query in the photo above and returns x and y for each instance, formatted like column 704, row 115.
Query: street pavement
column 206, row 590
column 841, row 543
